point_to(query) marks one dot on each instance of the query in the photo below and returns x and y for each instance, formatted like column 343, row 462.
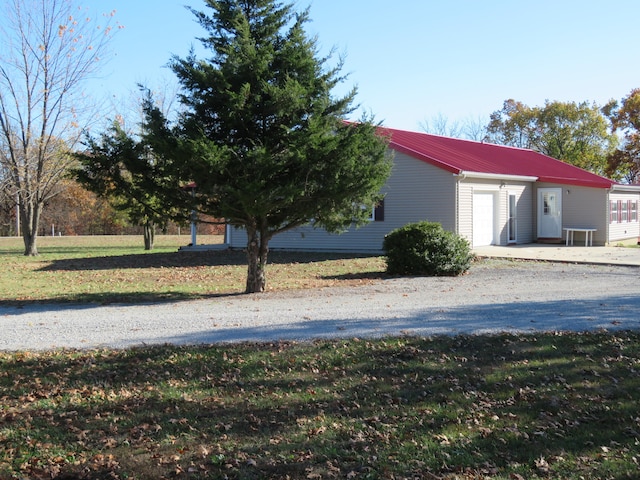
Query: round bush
column 425, row 248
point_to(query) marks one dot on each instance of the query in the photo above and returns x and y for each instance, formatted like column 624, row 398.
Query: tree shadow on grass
column 148, row 260
column 84, row 300
column 209, row 258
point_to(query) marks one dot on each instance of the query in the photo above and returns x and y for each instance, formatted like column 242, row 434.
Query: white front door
column 549, row 213
column 483, row 219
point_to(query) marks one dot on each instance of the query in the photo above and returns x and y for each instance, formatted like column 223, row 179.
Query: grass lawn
column 548, row 406
column 499, row 407
column 116, row 269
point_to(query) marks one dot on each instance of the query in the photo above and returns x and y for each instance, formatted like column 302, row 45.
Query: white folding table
column 588, row 235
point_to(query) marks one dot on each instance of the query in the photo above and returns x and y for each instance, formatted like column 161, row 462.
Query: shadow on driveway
column 612, row 313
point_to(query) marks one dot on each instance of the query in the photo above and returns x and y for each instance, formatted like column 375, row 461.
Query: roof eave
column 578, row 182
column 497, row 176
column 625, row 188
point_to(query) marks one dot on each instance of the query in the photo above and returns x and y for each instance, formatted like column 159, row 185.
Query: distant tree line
column 77, row 211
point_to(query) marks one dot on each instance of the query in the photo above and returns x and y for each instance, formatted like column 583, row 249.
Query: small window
column 548, row 199
column 512, row 226
column 633, row 211
column 624, row 212
column 378, row 211
column 613, row 212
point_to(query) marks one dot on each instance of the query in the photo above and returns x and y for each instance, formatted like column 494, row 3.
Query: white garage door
column 483, row 219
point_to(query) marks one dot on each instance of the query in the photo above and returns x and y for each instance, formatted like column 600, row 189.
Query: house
column 489, row 194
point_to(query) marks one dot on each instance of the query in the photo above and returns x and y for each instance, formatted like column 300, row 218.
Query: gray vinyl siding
column 419, row 191
column 619, row 230
column 465, row 211
column 415, row 191
column 525, row 204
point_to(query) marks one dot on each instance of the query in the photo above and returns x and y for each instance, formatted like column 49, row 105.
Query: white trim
column 626, row 188
column 495, row 176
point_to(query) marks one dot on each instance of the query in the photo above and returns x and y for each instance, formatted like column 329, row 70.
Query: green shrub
column 425, row 248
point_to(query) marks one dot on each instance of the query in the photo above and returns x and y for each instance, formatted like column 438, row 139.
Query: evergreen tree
column 121, row 169
column 261, row 133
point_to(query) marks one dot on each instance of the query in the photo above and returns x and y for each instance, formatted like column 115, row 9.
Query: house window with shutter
column 623, row 211
column 378, row 211
column 376, row 214
column 613, row 212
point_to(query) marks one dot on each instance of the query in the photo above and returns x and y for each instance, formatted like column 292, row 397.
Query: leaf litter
column 504, row 406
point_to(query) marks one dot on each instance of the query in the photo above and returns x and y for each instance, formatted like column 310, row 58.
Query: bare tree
column 475, row 128
column 440, row 125
column 49, row 48
column 470, row 128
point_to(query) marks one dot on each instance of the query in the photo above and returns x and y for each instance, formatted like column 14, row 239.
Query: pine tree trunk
column 149, row 235
column 257, row 250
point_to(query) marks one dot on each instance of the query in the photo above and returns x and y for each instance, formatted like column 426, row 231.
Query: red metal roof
column 466, row 156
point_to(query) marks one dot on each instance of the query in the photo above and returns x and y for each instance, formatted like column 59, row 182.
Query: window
column 613, row 212
column 377, row 212
column 623, row 211
column 512, row 214
column 549, row 203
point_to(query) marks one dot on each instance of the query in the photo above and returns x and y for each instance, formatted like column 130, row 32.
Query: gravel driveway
column 495, row 296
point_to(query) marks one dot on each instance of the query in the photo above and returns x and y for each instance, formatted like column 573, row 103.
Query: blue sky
column 415, row 59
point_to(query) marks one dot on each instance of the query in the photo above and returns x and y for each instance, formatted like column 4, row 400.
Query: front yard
column 497, row 407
